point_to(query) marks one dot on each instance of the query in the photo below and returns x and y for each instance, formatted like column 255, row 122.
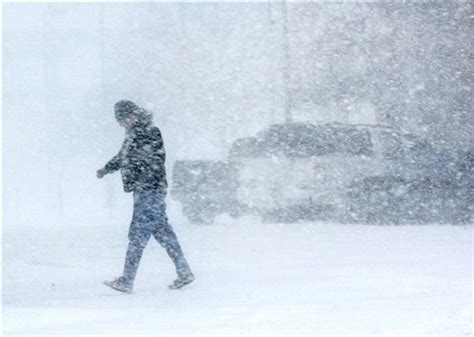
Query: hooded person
column 141, row 161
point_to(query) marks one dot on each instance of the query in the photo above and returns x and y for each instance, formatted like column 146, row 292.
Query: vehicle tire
column 357, row 207
column 235, row 212
column 198, row 215
column 279, row 216
column 375, row 208
column 197, row 219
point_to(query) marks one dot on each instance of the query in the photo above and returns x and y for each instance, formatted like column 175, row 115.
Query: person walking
column 141, row 161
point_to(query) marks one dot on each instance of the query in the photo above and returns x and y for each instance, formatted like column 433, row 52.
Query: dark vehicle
column 204, row 187
column 350, row 173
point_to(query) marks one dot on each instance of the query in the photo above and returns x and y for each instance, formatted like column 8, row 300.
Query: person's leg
column 138, row 235
column 166, row 237
column 136, row 246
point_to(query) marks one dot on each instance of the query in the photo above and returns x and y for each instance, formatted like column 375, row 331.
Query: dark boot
column 181, row 281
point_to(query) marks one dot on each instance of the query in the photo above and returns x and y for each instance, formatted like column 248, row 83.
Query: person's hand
column 101, row 173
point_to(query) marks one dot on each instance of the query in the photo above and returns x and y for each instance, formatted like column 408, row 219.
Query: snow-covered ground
column 305, row 278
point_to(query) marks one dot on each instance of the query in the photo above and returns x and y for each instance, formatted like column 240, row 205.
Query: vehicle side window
column 354, row 142
column 360, row 143
column 416, row 147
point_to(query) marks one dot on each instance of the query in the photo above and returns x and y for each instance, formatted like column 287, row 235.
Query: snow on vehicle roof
column 304, row 139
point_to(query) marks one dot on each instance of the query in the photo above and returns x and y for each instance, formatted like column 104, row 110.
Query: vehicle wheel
column 357, row 210
column 279, row 216
column 374, row 207
column 384, row 209
column 198, row 215
column 235, row 212
column 197, row 219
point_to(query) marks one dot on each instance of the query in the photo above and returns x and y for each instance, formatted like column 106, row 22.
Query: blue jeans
column 149, row 218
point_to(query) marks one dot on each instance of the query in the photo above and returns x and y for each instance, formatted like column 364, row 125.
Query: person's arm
column 112, row 166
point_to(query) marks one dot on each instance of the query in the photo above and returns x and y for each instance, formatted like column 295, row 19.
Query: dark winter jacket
column 141, row 159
